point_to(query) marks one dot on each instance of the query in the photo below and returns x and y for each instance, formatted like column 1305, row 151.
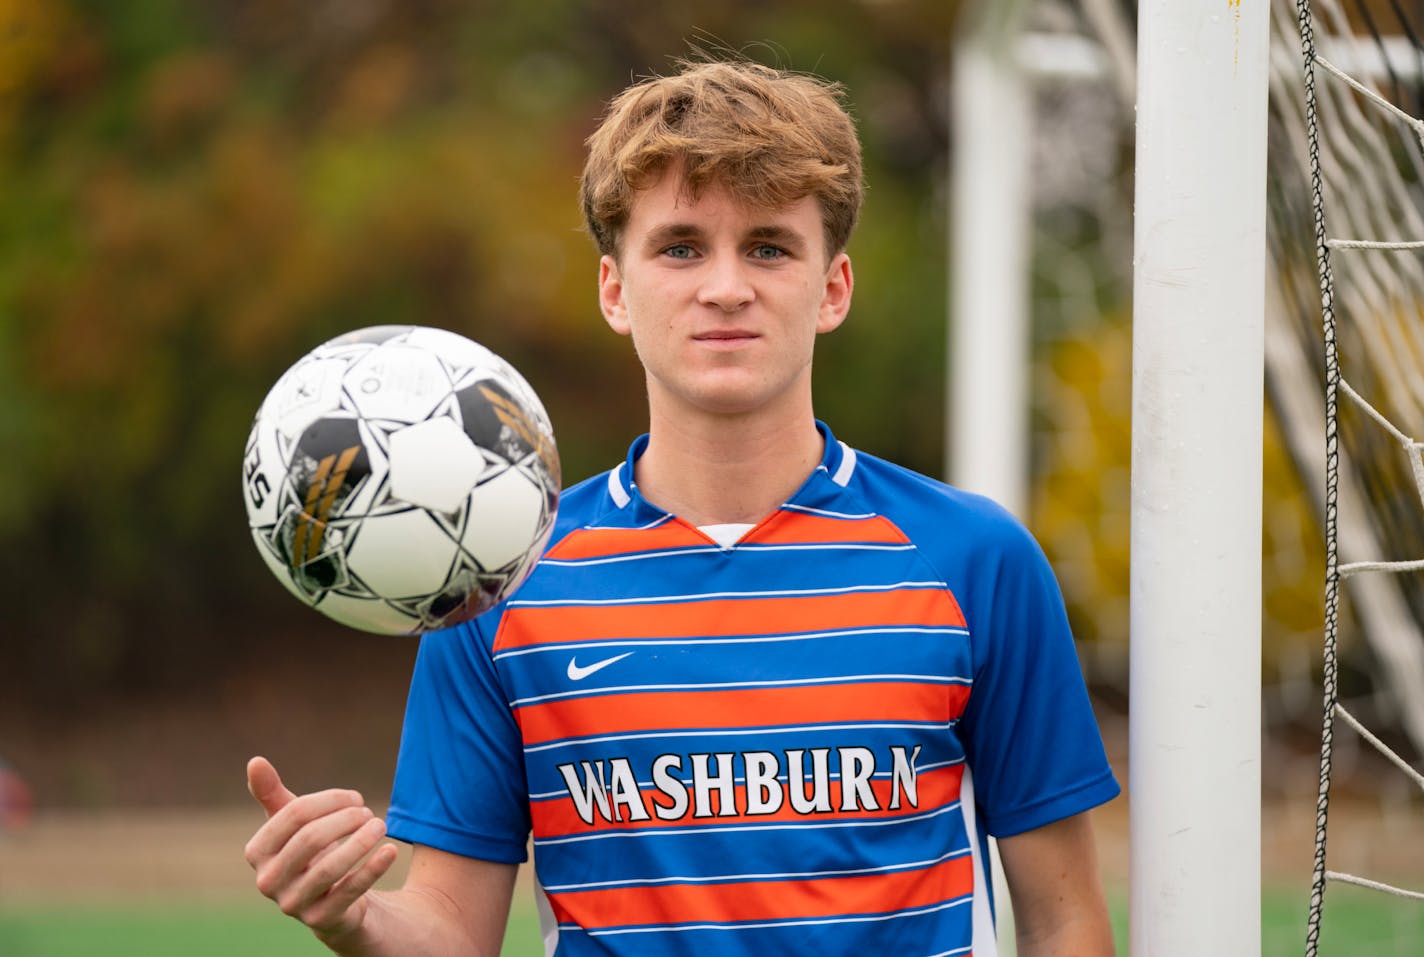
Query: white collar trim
column 847, row 466
column 616, row 491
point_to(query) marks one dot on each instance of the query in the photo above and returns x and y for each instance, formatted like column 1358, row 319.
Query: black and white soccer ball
column 401, row 479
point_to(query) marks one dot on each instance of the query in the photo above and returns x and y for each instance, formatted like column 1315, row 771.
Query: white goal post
column 1197, row 422
column 1198, row 359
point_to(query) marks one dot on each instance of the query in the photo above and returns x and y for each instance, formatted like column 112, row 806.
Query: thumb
column 266, row 786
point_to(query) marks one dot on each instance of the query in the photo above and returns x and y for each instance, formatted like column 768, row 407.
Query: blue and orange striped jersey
column 796, row 743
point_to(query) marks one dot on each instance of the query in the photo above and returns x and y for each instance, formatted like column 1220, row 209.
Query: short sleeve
column 460, row 783
column 1029, row 731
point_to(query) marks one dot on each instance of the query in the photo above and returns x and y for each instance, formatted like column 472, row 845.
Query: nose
column 725, row 284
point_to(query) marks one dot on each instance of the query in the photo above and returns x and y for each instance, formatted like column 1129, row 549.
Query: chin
column 726, row 392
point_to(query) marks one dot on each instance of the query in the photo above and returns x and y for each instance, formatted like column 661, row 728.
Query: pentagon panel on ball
column 400, row 479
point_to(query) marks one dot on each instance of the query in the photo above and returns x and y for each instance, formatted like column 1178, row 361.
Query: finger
column 336, row 843
column 284, row 876
column 327, row 912
column 311, row 845
column 265, row 784
column 339, row 860
column 304, row 895
column 282, row 827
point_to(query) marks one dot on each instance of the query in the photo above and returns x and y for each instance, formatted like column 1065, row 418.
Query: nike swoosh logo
column 577, row 673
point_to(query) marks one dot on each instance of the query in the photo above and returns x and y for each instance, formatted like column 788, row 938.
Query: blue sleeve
column 1029, row 731
column 460, row 782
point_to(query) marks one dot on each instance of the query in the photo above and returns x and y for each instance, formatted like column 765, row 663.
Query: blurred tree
column 195, row 193
column 1082, row 499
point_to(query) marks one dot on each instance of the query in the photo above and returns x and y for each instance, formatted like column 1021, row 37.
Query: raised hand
column 318, row 854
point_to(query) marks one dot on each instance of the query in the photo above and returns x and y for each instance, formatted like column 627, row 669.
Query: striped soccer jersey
column 794, row 744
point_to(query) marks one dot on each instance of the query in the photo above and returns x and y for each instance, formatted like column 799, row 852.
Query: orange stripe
column 785, row 527
column 796, row 528
column 767, row 900
column 524, row 626
column 558, row 817
column 605, row 542
column 740, row 708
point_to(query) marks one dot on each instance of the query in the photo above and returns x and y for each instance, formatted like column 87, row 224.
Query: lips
column 725, row 335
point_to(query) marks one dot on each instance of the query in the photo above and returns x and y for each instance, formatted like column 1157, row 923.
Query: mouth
column 725, row 337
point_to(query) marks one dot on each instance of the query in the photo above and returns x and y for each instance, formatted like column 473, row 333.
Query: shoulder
column 987, row 558
column 938, row 517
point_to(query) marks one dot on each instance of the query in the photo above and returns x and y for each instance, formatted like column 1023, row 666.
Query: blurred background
column 193, row 193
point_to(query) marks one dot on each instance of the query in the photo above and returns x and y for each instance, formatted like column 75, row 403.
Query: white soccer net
column 1359, row 528
column 1349, row 145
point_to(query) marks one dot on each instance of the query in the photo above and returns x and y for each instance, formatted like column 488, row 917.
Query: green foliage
column 194, row 194
column 1082, row 501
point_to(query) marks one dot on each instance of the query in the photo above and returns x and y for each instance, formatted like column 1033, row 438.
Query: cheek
column 648, row 330
column 649, row 316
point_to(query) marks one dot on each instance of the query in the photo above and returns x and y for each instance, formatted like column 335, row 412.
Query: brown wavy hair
column 771, row 137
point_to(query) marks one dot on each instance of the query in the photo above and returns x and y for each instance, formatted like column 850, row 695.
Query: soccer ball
column 401, row 479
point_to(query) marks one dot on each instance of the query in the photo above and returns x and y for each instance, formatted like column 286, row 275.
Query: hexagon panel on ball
column 506, row 514
column 434, row 464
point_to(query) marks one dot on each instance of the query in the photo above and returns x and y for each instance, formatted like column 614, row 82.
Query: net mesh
column 1357, row 525
column 1362, row 159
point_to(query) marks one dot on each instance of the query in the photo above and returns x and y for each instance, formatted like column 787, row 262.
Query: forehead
column 671, row 200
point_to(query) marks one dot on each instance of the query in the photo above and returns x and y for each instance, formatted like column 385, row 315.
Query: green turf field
column 1357, row 922
column 146, row 930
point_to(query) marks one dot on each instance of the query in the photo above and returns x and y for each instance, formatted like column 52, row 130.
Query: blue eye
column 768, row 252
column 679, row 251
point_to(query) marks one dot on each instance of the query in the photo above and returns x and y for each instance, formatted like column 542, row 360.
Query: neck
column 719, row 470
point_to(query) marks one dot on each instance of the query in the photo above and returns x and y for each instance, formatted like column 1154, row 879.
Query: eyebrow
column 671, row 233
column 781, row 235
column 675, row 232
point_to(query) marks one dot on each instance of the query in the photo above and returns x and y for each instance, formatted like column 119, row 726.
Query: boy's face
column 723, row 301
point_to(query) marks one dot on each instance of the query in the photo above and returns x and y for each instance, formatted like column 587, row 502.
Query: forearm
column 1088, row 937
column 1059, row 906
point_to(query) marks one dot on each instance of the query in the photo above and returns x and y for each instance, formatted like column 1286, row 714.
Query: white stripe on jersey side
column 813, row 825
column 985, row 940
column 850, row 516
column 718, row 549
column 741, row 779
column 870, row 631
column 706, row 596
column 548, row 923
column 728, row 878
column 592, row 691
column 804, row 922
column 737, row 732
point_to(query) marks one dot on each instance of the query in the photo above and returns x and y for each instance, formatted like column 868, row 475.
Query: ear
column 610, row 296
column 835, row 302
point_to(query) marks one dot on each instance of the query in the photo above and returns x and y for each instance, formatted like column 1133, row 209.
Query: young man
column 764, row 694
